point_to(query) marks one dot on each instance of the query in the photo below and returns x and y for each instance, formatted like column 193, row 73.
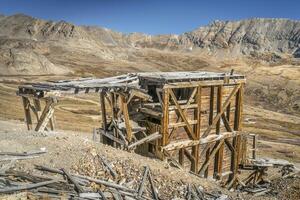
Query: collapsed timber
column 61, row 183
column 192, row 119
column 103, row 179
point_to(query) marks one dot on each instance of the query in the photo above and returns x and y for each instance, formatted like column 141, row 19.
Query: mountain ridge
column 267, row 51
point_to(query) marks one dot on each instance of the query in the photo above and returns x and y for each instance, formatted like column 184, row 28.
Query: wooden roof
column 186, row 76
column 122, row 82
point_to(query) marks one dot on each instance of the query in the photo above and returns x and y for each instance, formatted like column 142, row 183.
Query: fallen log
column 98, row 181
column 27, row 186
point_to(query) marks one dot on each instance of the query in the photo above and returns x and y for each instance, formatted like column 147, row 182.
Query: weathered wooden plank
column 126, row 118
column 28, row 120
column 103, row 110
column 209, row 139
column 203, row 83
column 165, row 120
column 219, row 155
column 149, row 138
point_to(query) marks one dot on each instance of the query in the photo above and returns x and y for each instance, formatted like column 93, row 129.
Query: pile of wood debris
column 95, row 177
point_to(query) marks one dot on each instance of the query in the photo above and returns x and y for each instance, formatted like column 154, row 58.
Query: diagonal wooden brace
column 183, row 116
column 224, row 107
column 46, row 114
column 211, row 155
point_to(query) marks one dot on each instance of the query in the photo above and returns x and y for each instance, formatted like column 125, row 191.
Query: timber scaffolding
column 193, row 119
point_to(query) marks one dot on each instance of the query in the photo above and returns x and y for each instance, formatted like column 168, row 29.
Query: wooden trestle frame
column 44, row 116
column 193, row 119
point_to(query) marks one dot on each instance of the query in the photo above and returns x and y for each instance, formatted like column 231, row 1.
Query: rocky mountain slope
column 26, row 41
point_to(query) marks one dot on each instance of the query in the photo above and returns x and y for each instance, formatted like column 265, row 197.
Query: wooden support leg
column 46, row 114
column 103, row 118
column 26, row 105
column 196, row 149
column 113, row 113
column 211, row 117
column 165, row 123
column 126, row 119
column 219, row 155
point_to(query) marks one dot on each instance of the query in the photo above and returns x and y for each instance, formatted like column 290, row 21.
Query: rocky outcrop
column 248, row 37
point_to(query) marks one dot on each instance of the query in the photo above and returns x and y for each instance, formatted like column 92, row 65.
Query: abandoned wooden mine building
column 192, row 118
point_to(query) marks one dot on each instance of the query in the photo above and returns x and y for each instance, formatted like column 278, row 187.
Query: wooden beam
column 26, row 105
column 195, row 149
column 103, row 110
column 112, row 103
column 219, row 155
column 211, row 105
column 206, row 149
column 204, row 83
column 149, row 138
column 226, row 123
column 238, row 109
column 165, row 120
column 209, row 139
column 126, row 118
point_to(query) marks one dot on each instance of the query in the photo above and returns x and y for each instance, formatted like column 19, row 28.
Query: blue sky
column 152, row 17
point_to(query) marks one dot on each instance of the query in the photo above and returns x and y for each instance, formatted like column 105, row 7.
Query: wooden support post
column 103, row 138
column 219, row 155
column 254, row 145
column 26, row 105
column 238, row 122
column 103, row 111
column 238, row 109
column 126, row 118
column 113, row 114
column 210, row 121
column 165, row 119
column 195, row 149
column 211, row 105
column 181, row 156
